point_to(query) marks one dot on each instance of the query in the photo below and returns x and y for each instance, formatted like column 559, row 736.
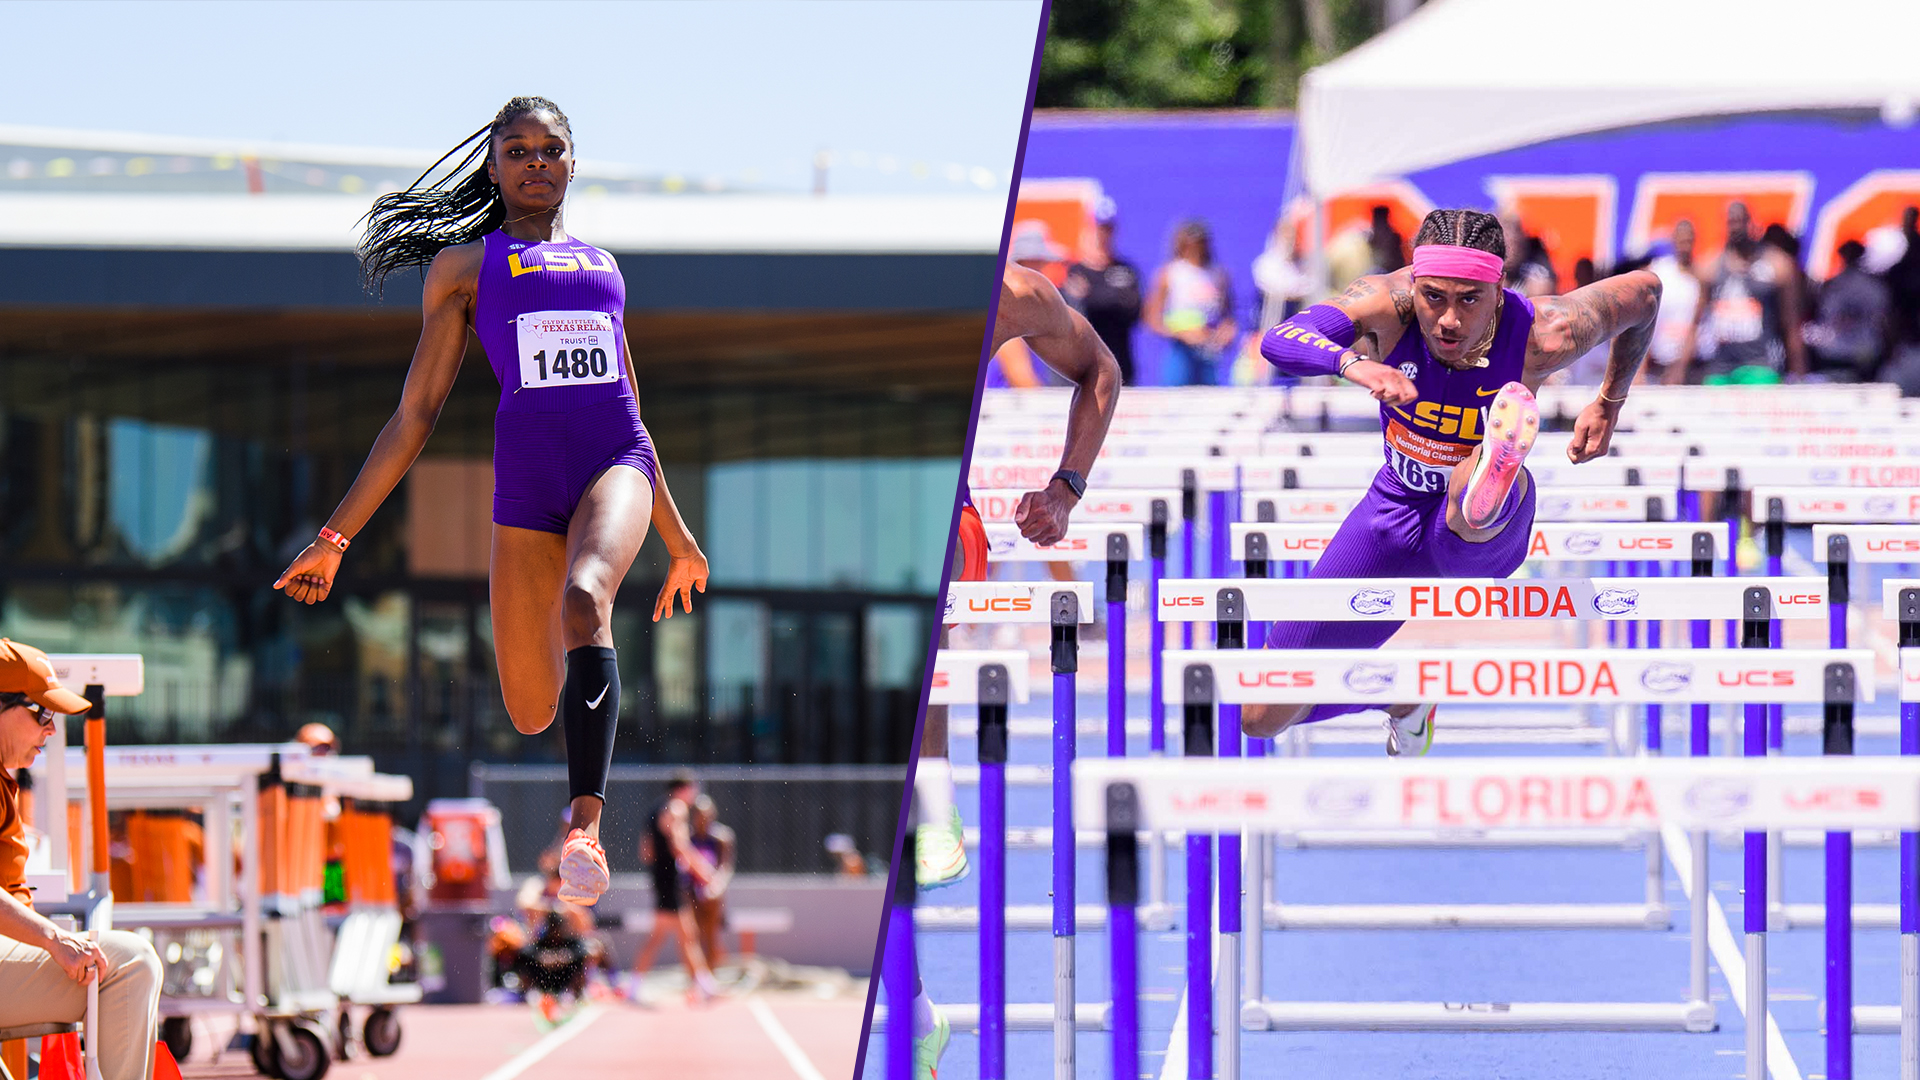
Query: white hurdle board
column 1014, row 601
column 1870, row 543
column 1840, row 505
column 956, row 675
column 1210, row 795
column 1519, row 676
column 1560, row 541
column 1710, row 473
column 1550, row 504
column 1445, row 599
column 1084, row 542
column 1106, row 506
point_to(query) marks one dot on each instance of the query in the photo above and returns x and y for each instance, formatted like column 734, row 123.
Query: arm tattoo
column 1360, row 289
column 1403, row 306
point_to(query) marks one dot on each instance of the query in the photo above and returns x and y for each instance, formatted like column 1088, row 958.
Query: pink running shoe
column 583, row 870
column 1513, row 420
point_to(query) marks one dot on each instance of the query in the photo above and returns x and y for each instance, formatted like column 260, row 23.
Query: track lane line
column 551, row 1041
column 1726, row 953
column 796, row 1057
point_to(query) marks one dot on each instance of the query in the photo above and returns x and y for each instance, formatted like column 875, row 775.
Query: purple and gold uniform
column 550, row 318
column 1399, row 528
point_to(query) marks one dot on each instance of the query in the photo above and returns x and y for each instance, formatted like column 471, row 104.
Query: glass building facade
column 147, row 504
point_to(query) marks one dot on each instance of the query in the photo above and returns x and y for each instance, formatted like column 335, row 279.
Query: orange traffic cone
column 60, row 1058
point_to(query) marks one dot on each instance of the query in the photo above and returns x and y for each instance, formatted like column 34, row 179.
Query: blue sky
column 747, row 91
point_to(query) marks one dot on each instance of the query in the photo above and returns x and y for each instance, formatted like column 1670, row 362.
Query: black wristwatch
column 1075, row 482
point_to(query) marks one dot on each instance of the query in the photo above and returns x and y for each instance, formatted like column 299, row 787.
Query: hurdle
column 1905, row 1017
column 1258, row 545
column 1151, row 509
column 1333, row 599
column 993, row 679
column 1547, row 793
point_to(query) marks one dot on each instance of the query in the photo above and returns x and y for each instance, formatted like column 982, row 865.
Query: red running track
column 723, row 1041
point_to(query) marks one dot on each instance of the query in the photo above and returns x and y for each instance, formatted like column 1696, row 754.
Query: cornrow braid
column 1463, row 228
column 461, row 205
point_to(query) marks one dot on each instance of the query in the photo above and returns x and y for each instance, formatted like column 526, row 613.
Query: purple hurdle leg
column 1123, row 940
column 1197, row 729
column 1656, row 718
column 897, row 969
column 993, row 872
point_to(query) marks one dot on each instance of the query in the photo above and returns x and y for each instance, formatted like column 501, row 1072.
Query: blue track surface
column 1496, row 965
column 1486, row 965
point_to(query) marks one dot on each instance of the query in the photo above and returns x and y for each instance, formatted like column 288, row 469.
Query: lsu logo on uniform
column 560, row 261
column 1458, row 421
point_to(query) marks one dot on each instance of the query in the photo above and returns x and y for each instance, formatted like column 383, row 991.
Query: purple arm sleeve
column 1311, row 342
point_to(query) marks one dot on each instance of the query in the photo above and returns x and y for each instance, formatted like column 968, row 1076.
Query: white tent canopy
column 1461, row 78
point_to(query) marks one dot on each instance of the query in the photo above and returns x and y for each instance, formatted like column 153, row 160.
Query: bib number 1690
column 567, row 348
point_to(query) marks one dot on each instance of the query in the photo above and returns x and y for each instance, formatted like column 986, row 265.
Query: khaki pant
column 34, row 990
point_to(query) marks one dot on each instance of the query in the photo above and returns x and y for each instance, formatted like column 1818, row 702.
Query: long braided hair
column 408, row 228
column 1463, row 228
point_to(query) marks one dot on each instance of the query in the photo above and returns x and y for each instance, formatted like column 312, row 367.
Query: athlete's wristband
column 334, row 539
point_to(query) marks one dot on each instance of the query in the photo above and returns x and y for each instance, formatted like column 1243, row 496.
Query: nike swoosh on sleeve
column 595, row 703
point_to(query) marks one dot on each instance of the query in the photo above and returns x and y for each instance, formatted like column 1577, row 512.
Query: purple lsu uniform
column 550, row 318
column 1399, row 528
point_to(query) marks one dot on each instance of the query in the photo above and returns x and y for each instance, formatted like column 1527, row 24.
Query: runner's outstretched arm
column 1031, row 308
column 1348, row 335
column 436, row 360
column 687, row 568
column 1565, row 328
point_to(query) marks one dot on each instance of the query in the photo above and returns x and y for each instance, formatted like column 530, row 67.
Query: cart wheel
column 381, row 1035
column 177, row 1033
column 305, row 1057
column 265, row 1053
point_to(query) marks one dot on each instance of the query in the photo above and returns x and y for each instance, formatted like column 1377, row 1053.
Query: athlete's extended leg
column 528, row 569
column 1379, row 538
column 602, row 540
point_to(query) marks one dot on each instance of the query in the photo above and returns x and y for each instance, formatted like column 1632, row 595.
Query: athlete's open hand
column 1042, row 515
column 1593, row 432
column 1387, row 384
column 684, row 574
column 309, row 577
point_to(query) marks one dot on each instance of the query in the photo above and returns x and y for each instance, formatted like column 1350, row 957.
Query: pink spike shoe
column 1513, row 421
column 583, row 870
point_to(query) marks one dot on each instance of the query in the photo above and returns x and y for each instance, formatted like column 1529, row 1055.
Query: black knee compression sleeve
column 589, row 708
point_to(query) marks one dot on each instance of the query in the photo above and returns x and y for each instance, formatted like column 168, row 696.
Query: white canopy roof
column 1460, row 78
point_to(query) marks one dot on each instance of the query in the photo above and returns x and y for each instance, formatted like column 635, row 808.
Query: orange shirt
column 13, row 841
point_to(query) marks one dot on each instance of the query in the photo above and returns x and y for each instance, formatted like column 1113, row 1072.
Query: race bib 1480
column 567, row 348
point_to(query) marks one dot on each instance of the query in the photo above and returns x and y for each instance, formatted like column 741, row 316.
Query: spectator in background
column 1105, row 289
column 666, row 848
column 1278, row 276
column 1529, row 271
column 1849, row 332
column 1673, row 327
column 1190, row 304
column 715, row 841
column 44, row 970
column 1903, row 281
column 1388, row 246
column 1749, row 314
